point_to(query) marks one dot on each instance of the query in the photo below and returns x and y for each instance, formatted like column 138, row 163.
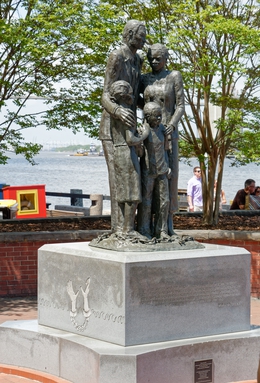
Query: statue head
column 157, row 56
column 134, row 34
column 152, row 113
column 122, row 92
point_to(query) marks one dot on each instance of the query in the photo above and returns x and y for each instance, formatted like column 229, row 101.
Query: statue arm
column 111, row 76
column 176, row 78
column 126, row 115
column 133, row 140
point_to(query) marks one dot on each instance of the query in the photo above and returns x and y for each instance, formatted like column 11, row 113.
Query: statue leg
column 120, row 217
column 173, row 183
column 170, row 224
column 145, row 207
column 129, row 217
column 162, row 210
column 108, row 148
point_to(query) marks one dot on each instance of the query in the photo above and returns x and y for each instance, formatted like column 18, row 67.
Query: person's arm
column 223, row 197
column 189, row 196
column 241, row 199
column 189, row 199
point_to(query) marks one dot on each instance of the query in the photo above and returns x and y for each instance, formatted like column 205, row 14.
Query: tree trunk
column 208, row 177
column 218, row 192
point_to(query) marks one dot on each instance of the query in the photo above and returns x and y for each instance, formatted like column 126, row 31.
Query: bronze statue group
column 142, row 160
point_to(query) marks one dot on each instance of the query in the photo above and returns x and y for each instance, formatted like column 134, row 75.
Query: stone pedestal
column 173, row 311
column 84, row 360
column 142, row 298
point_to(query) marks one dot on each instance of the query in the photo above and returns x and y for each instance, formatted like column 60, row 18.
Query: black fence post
column 76, row 201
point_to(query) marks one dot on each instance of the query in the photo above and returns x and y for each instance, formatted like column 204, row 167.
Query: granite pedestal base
column 141, row 298
column 84, row 360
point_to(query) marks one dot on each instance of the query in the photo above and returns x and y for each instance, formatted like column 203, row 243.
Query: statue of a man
column 166, row 88
column 123, row 64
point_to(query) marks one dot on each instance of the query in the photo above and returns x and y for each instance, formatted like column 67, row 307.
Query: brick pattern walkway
column 12, row 374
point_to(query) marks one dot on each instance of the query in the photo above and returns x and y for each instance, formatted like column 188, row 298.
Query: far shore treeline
column 74, row 148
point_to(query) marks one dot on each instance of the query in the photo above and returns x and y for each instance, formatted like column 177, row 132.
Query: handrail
column 73, row 195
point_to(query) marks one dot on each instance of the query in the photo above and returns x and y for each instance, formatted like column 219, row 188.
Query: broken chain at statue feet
column 163, row 237
column 186, row 238
column 133, row 241
column 135, row 237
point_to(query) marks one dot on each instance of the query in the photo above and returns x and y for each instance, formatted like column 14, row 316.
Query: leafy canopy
column 58, row 50
column 215, row 45
column 54, row 51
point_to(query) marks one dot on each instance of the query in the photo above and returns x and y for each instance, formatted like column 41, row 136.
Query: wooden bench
column 64, row 213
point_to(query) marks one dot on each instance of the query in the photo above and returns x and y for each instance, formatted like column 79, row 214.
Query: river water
column 60, row 172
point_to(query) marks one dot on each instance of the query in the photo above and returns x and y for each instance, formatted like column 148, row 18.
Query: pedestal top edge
column 82, row 249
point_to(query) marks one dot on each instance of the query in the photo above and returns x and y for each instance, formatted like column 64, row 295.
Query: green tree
column 217, row 49
column 215, row 45
column 54, row 50
column 57, row 50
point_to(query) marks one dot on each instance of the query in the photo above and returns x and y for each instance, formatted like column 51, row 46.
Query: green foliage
column 215, row 45
column 58, row 50
column 55, row 51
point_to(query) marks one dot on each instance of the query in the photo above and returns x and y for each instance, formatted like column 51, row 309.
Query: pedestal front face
column 139, row 298
column 81, row 293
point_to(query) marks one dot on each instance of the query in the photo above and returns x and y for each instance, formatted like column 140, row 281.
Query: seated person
column 254, row 199
column 257, row 191
column 239, row 202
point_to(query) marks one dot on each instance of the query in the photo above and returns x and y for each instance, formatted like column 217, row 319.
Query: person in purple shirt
column 194, row 191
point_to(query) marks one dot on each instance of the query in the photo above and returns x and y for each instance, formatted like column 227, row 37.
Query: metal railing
column 75, row 195
column 76, row 202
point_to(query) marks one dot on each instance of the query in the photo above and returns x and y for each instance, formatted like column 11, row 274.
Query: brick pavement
column 26, row 308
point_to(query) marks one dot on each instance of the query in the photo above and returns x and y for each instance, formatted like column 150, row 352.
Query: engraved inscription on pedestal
column 174, row 289
column 203, row 371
